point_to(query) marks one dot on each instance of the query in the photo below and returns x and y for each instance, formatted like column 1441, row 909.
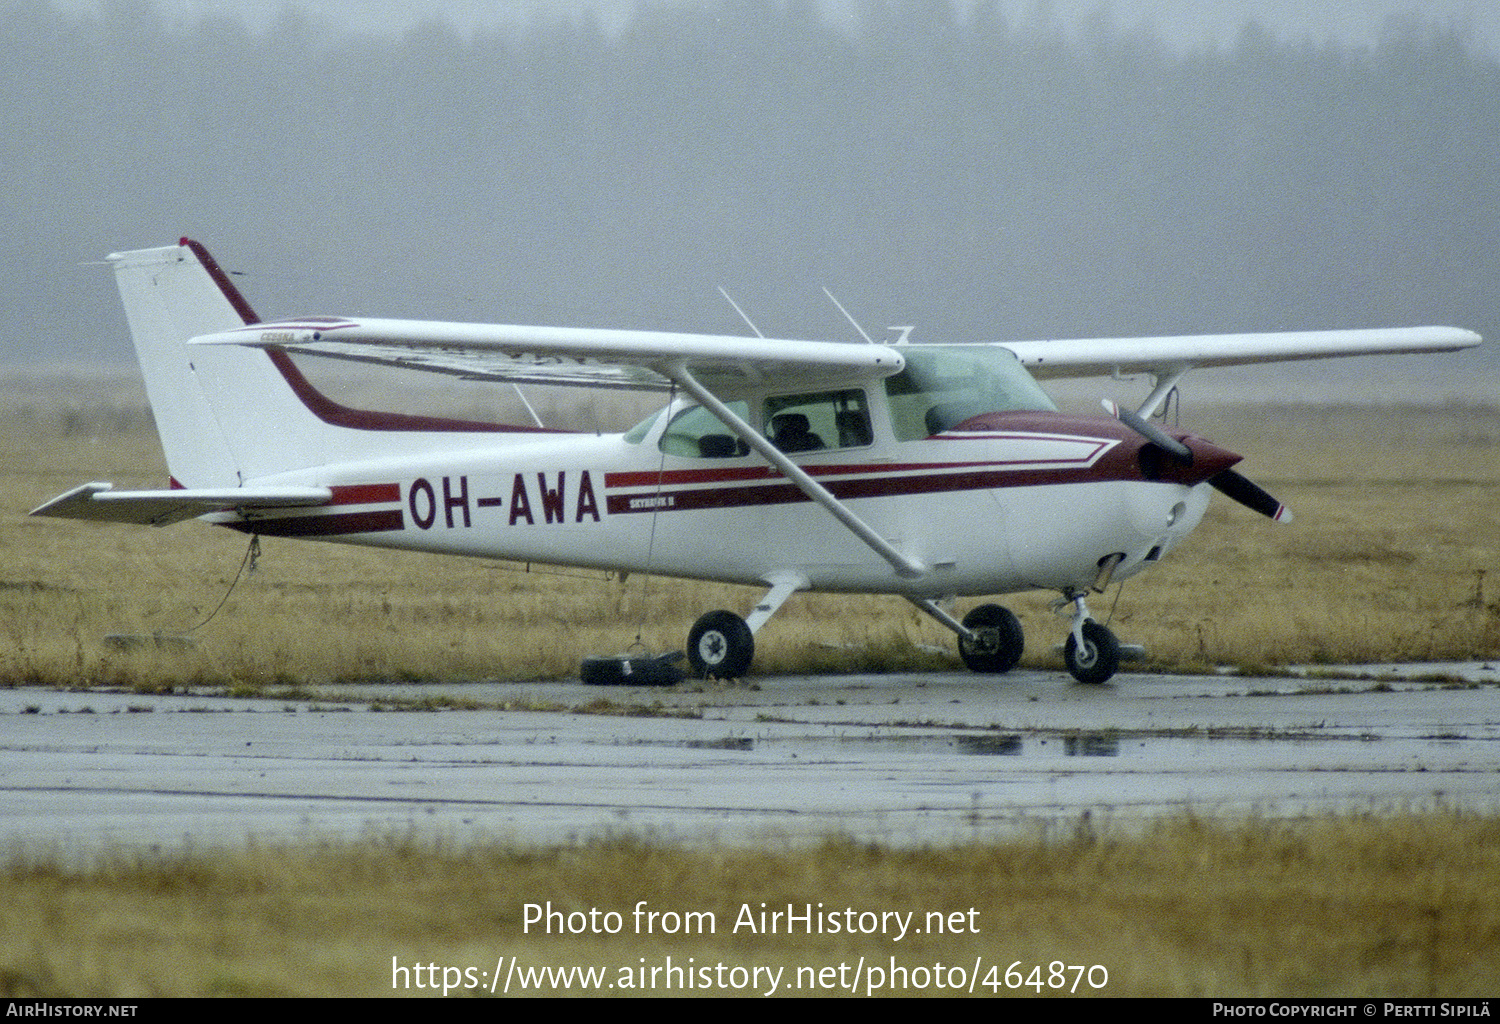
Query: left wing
column 1174, row 355
column 567, row 355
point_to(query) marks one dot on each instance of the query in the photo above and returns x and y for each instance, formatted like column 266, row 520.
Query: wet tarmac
column 905, row 759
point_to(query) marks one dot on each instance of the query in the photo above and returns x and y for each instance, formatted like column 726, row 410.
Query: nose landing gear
column 1092, row 652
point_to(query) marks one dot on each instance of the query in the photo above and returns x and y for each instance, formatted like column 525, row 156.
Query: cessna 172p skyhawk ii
column 925, row 471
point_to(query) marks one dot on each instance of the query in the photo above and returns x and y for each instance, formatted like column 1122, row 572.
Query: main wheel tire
column 1099, row 658
column 720, row 645
column 1000, row 643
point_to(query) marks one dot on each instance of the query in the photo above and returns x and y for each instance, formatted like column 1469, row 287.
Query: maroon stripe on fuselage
column 873, row 487
column 323, row 525
column 365, row 494
column 990, row 428
column 1115, row 455
column 752, row 474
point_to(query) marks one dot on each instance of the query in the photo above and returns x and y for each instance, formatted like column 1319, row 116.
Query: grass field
column 1389, row 558
column 1398, row 522
column 1374, row 907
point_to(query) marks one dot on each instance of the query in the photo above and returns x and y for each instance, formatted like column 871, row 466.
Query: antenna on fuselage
column 741, row 312
column 840, row 305
column 522, row 396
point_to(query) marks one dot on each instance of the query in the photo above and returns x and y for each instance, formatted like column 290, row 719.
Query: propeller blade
column 1151, row 432
column 1251, row 495
column 1227, row 481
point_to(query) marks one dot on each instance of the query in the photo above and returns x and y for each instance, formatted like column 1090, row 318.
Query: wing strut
column 1165, row 382
column 906, row 567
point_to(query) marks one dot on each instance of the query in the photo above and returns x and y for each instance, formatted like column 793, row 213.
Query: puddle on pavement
column 1260, row 749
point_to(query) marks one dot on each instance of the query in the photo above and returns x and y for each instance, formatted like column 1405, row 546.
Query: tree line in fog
column 979, row 177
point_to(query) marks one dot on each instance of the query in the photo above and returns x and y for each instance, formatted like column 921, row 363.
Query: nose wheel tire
column 720, row 645
column 1099, row 657
column 999, row 642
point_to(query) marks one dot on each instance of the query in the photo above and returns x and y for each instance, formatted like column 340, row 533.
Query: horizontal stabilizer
column 101, row 503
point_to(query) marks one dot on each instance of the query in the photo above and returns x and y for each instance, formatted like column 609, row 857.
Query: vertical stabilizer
column 225, row 415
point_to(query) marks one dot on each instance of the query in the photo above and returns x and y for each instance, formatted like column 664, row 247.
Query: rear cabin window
column 823, row 419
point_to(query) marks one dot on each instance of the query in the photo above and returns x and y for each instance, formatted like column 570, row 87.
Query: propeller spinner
column 1229, row 483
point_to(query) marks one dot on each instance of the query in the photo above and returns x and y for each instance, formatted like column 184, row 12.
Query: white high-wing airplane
column 924, row 471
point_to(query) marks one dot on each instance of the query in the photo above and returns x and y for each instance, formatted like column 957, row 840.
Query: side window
column 696, row 433
column 825, row 419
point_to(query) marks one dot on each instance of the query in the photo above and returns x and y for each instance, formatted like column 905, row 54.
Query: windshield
column 944, row 385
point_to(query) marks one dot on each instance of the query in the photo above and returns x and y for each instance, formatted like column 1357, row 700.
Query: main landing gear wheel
column 720, row 645
column 999, row 641
column 1099, row 657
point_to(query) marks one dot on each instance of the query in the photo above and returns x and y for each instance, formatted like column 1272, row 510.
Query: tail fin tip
column 221, row 280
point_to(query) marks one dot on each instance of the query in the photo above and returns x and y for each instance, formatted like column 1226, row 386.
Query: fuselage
column 960, row 462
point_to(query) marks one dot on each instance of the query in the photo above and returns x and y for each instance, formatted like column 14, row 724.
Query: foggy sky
column 1321, row 171
column 1180, row 22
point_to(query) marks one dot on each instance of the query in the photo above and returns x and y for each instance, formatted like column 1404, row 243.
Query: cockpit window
column 824, row 419
column 944, row 385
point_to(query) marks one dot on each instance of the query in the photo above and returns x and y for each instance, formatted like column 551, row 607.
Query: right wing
column 1164, row 356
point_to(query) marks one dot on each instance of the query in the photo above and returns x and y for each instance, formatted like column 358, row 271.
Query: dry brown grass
column 1398, row 906
column 1398, row 519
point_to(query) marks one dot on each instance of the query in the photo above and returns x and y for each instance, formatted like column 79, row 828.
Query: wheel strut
column 1080, row 612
